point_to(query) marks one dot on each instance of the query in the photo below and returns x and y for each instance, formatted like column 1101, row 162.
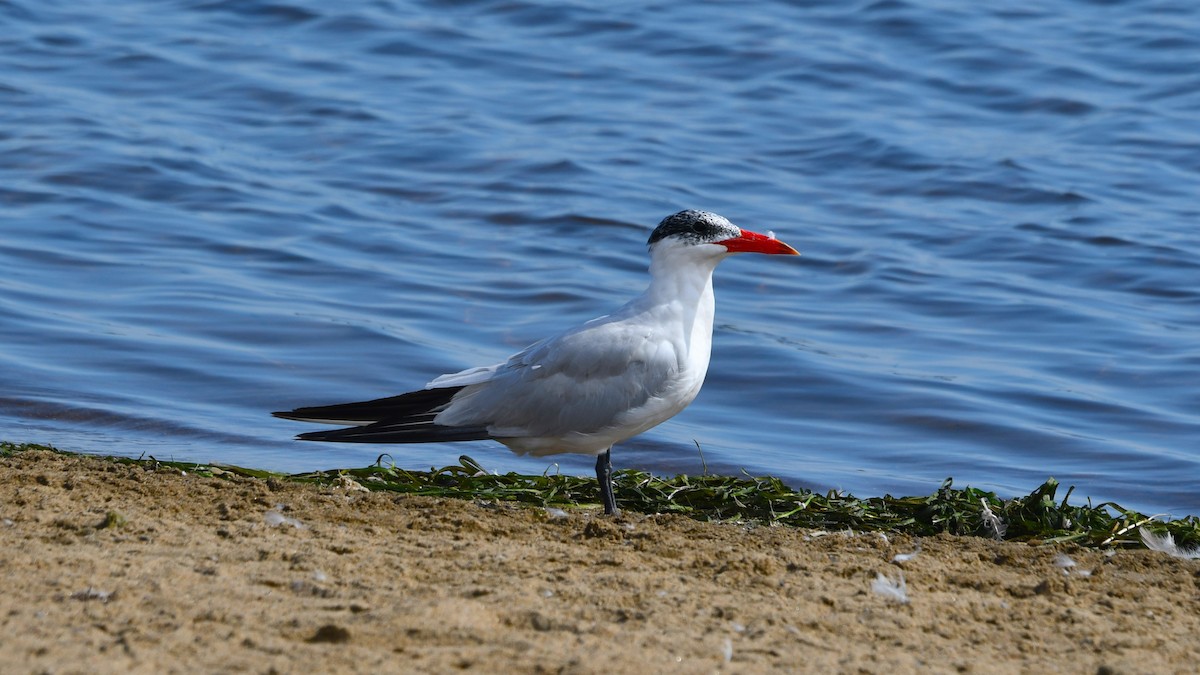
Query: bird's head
column 701, row 228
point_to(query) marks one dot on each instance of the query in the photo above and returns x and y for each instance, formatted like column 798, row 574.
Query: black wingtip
column 296, row 415
column 327, row 435
column 418, row 402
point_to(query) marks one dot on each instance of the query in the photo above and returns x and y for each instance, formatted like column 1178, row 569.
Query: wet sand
column 123, row 568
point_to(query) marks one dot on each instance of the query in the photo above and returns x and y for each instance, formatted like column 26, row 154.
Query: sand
column 114, row 568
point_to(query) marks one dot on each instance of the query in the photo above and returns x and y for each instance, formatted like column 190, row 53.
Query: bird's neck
column 676, row 280
column 681, row 293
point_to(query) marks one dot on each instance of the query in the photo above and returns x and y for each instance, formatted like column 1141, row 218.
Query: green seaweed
column 1039, row 517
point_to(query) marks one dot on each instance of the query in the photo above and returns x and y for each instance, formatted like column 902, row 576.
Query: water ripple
column 215, row 209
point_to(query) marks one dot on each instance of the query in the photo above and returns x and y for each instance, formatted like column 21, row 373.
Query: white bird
column 587, row 388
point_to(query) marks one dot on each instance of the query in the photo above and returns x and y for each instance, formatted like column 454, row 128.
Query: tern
column 587, row 388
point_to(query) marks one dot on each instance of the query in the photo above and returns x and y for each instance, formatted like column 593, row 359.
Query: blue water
column 214, row 209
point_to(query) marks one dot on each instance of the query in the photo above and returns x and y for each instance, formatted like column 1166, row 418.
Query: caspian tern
column 587, row 388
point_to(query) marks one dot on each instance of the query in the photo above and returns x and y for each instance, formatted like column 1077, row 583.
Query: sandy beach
column 125, row 568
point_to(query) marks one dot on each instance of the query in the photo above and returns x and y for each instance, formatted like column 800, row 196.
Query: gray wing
column 579, row 381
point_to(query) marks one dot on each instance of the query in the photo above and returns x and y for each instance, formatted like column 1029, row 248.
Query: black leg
column 604, row 478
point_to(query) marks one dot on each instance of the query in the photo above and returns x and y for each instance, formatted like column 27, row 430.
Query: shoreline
column 125, row 567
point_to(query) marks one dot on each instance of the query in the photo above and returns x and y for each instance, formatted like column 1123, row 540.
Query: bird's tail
column 407, row 418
